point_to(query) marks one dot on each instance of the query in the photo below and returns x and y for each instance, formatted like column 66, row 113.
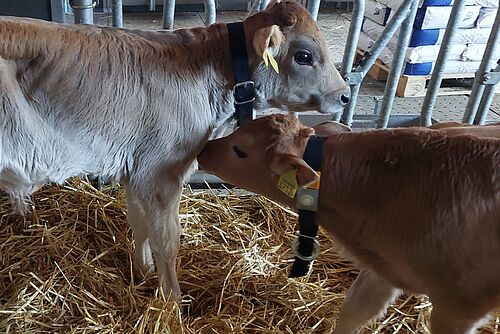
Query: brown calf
column 416, row 209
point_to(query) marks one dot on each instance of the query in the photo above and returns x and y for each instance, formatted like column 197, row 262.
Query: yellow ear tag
column 269, row 59
column 288, row 183
column 264, row 56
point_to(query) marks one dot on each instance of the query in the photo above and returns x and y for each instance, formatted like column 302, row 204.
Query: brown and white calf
column 416, row 209
column 137, row 107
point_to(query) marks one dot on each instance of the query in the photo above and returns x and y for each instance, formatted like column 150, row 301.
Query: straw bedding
column 66, row 267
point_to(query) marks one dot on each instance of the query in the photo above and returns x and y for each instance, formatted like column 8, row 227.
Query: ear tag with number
column 288, row 183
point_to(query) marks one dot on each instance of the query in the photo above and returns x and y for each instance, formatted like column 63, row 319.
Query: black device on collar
column 244, row 89
column 305, row 244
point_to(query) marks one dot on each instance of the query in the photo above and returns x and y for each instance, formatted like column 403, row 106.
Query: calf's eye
column 303, row 57
column 239, row 152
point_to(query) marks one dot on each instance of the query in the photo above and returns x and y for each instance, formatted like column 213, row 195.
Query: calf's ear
column 306, row 132
column 330, row 128
column 282, row 163
column 305, row 174
column 267, row 39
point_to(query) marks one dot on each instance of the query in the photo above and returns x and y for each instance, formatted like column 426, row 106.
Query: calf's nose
column 344, row 98
column 335, row 101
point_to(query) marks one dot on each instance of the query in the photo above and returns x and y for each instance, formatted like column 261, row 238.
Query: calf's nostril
column 344, row 98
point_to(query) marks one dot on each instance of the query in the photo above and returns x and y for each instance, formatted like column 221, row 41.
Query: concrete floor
column 335, row 25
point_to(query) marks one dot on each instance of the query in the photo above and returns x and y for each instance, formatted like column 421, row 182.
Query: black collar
column 313, row 155
column 244, row 91
column 305, row 246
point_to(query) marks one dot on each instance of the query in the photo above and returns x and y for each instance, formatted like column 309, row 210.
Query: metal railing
column 354, row 77
column 83, row 11
column 483, row 87
column 485, row 80
column 169, row 11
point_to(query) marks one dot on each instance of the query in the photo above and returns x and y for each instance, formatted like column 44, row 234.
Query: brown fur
column 416, row 209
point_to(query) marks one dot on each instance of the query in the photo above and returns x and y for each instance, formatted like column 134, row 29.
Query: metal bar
column 349, row 111
column 168, row 14
column 485, row 66
column 57, row 11
column 117, row 10
column 210, row 12
column 152, row 5
column 358, row 11
column 484, row 106
column 370, row 57
column 202, row 177
column 396, row 67
column 83, row 11
column 438, row 71
column 263, row 4
column 313, row 7
column 378, row 105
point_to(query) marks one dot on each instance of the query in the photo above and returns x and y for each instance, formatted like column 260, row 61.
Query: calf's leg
column 367, row 298
column 140, row 226
column 164, row 241
column 162, row 212
column 448, row 320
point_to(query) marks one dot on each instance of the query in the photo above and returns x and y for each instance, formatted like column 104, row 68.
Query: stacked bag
column 428, row 31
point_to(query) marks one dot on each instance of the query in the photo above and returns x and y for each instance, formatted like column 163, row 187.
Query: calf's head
column 307, row 78
column 258, row 153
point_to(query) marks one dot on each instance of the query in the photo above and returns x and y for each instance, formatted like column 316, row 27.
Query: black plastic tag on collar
column 244, row 90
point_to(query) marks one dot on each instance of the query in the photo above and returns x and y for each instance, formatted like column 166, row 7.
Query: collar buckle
column 244, row 92
column 315, row 251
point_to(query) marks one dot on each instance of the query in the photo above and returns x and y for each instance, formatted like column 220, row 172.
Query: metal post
column 168, row 14
column 209, row 11
column 438, row 71
column 358, row 11
column 57, row 10
column 83, row 11
column 152, row 5
column 484, row 106
column 263, row 4
column 354, row 78
column 117, row 9
column 397, row 67
column 484, row 68
column 378, row 105
column 313, row 7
